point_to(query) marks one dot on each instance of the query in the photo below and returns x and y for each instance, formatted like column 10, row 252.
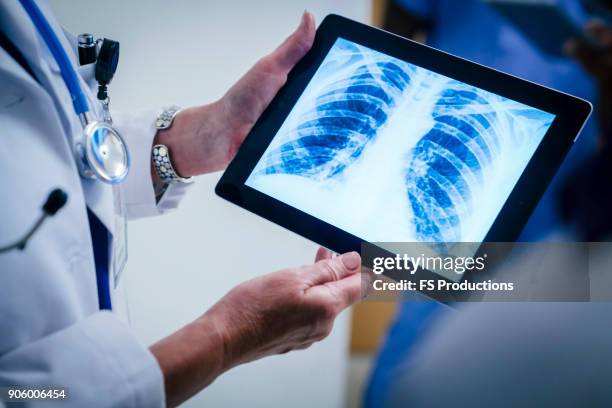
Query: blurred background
column 190, row 52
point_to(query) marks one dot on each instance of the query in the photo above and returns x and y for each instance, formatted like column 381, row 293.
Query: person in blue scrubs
column 473, row 30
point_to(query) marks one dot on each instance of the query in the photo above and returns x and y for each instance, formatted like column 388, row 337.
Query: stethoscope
column 100, row 151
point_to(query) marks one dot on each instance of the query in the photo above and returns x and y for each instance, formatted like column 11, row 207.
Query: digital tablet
column 376, row 138
column 528, row 17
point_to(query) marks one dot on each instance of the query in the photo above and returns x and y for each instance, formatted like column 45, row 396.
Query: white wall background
column 190, row 52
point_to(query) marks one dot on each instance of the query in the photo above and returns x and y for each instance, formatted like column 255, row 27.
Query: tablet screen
column 391, row 152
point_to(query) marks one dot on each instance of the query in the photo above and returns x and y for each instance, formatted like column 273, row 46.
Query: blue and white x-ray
column 389, row 151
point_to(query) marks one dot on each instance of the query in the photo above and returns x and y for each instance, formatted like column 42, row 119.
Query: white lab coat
column 51, row 331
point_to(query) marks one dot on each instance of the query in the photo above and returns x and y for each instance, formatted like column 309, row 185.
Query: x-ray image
column 389, row 151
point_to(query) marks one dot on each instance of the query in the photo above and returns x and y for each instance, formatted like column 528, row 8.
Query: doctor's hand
column 272, row 314
column 287, row 310
column 204, row 139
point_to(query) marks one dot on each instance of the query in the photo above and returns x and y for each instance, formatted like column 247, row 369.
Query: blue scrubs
column 472, row 30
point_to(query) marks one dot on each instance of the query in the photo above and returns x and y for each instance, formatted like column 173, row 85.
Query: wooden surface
column 370, row 321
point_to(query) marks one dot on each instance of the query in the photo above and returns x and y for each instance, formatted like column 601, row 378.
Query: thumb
column 334, row 269
column 296, row 45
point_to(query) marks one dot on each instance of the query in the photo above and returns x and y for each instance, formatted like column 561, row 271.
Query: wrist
column 219, row 324
column 193, row 139
column 208, row 333
column 190, row 359
column 179, row 140
column 236, row 330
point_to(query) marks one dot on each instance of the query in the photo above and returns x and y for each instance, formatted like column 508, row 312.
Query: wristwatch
column 161, row 155
column 172, row 186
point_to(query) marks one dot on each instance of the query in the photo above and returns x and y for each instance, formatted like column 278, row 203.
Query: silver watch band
column 160, row 154
column 163, row 166
column 165, row 118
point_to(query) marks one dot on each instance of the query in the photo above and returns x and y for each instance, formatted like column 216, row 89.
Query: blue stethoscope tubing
column 100, row 152
column 69, row 75
column 81, row 106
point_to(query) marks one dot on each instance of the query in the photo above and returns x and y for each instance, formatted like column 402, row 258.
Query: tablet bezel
column 570, row 113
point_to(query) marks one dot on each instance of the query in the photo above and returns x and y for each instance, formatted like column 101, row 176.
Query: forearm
column 275, row 313
column 191, row 359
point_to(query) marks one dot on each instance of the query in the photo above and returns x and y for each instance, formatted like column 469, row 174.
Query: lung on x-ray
column 389, row 151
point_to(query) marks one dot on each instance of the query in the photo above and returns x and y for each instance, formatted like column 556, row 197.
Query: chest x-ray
column 389, row 151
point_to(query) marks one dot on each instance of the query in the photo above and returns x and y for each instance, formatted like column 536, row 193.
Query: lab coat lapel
column 20, row 30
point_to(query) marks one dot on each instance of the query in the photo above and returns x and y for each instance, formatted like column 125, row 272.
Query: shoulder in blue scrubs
column 473, row 30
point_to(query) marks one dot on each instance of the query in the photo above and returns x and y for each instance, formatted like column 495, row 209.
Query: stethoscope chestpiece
column 102, row 153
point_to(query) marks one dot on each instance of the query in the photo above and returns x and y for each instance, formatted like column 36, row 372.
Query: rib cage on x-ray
column 445, row 167
column 345, row 117
column 448, row 162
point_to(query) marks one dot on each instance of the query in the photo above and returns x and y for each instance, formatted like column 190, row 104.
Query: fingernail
column 351, row 260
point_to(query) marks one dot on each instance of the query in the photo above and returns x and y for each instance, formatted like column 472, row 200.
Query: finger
column 330, row 270
column 296, row 45
column 351, row 289
column 323, row 253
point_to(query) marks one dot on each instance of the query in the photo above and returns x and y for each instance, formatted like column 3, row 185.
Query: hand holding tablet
column 378, row 138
